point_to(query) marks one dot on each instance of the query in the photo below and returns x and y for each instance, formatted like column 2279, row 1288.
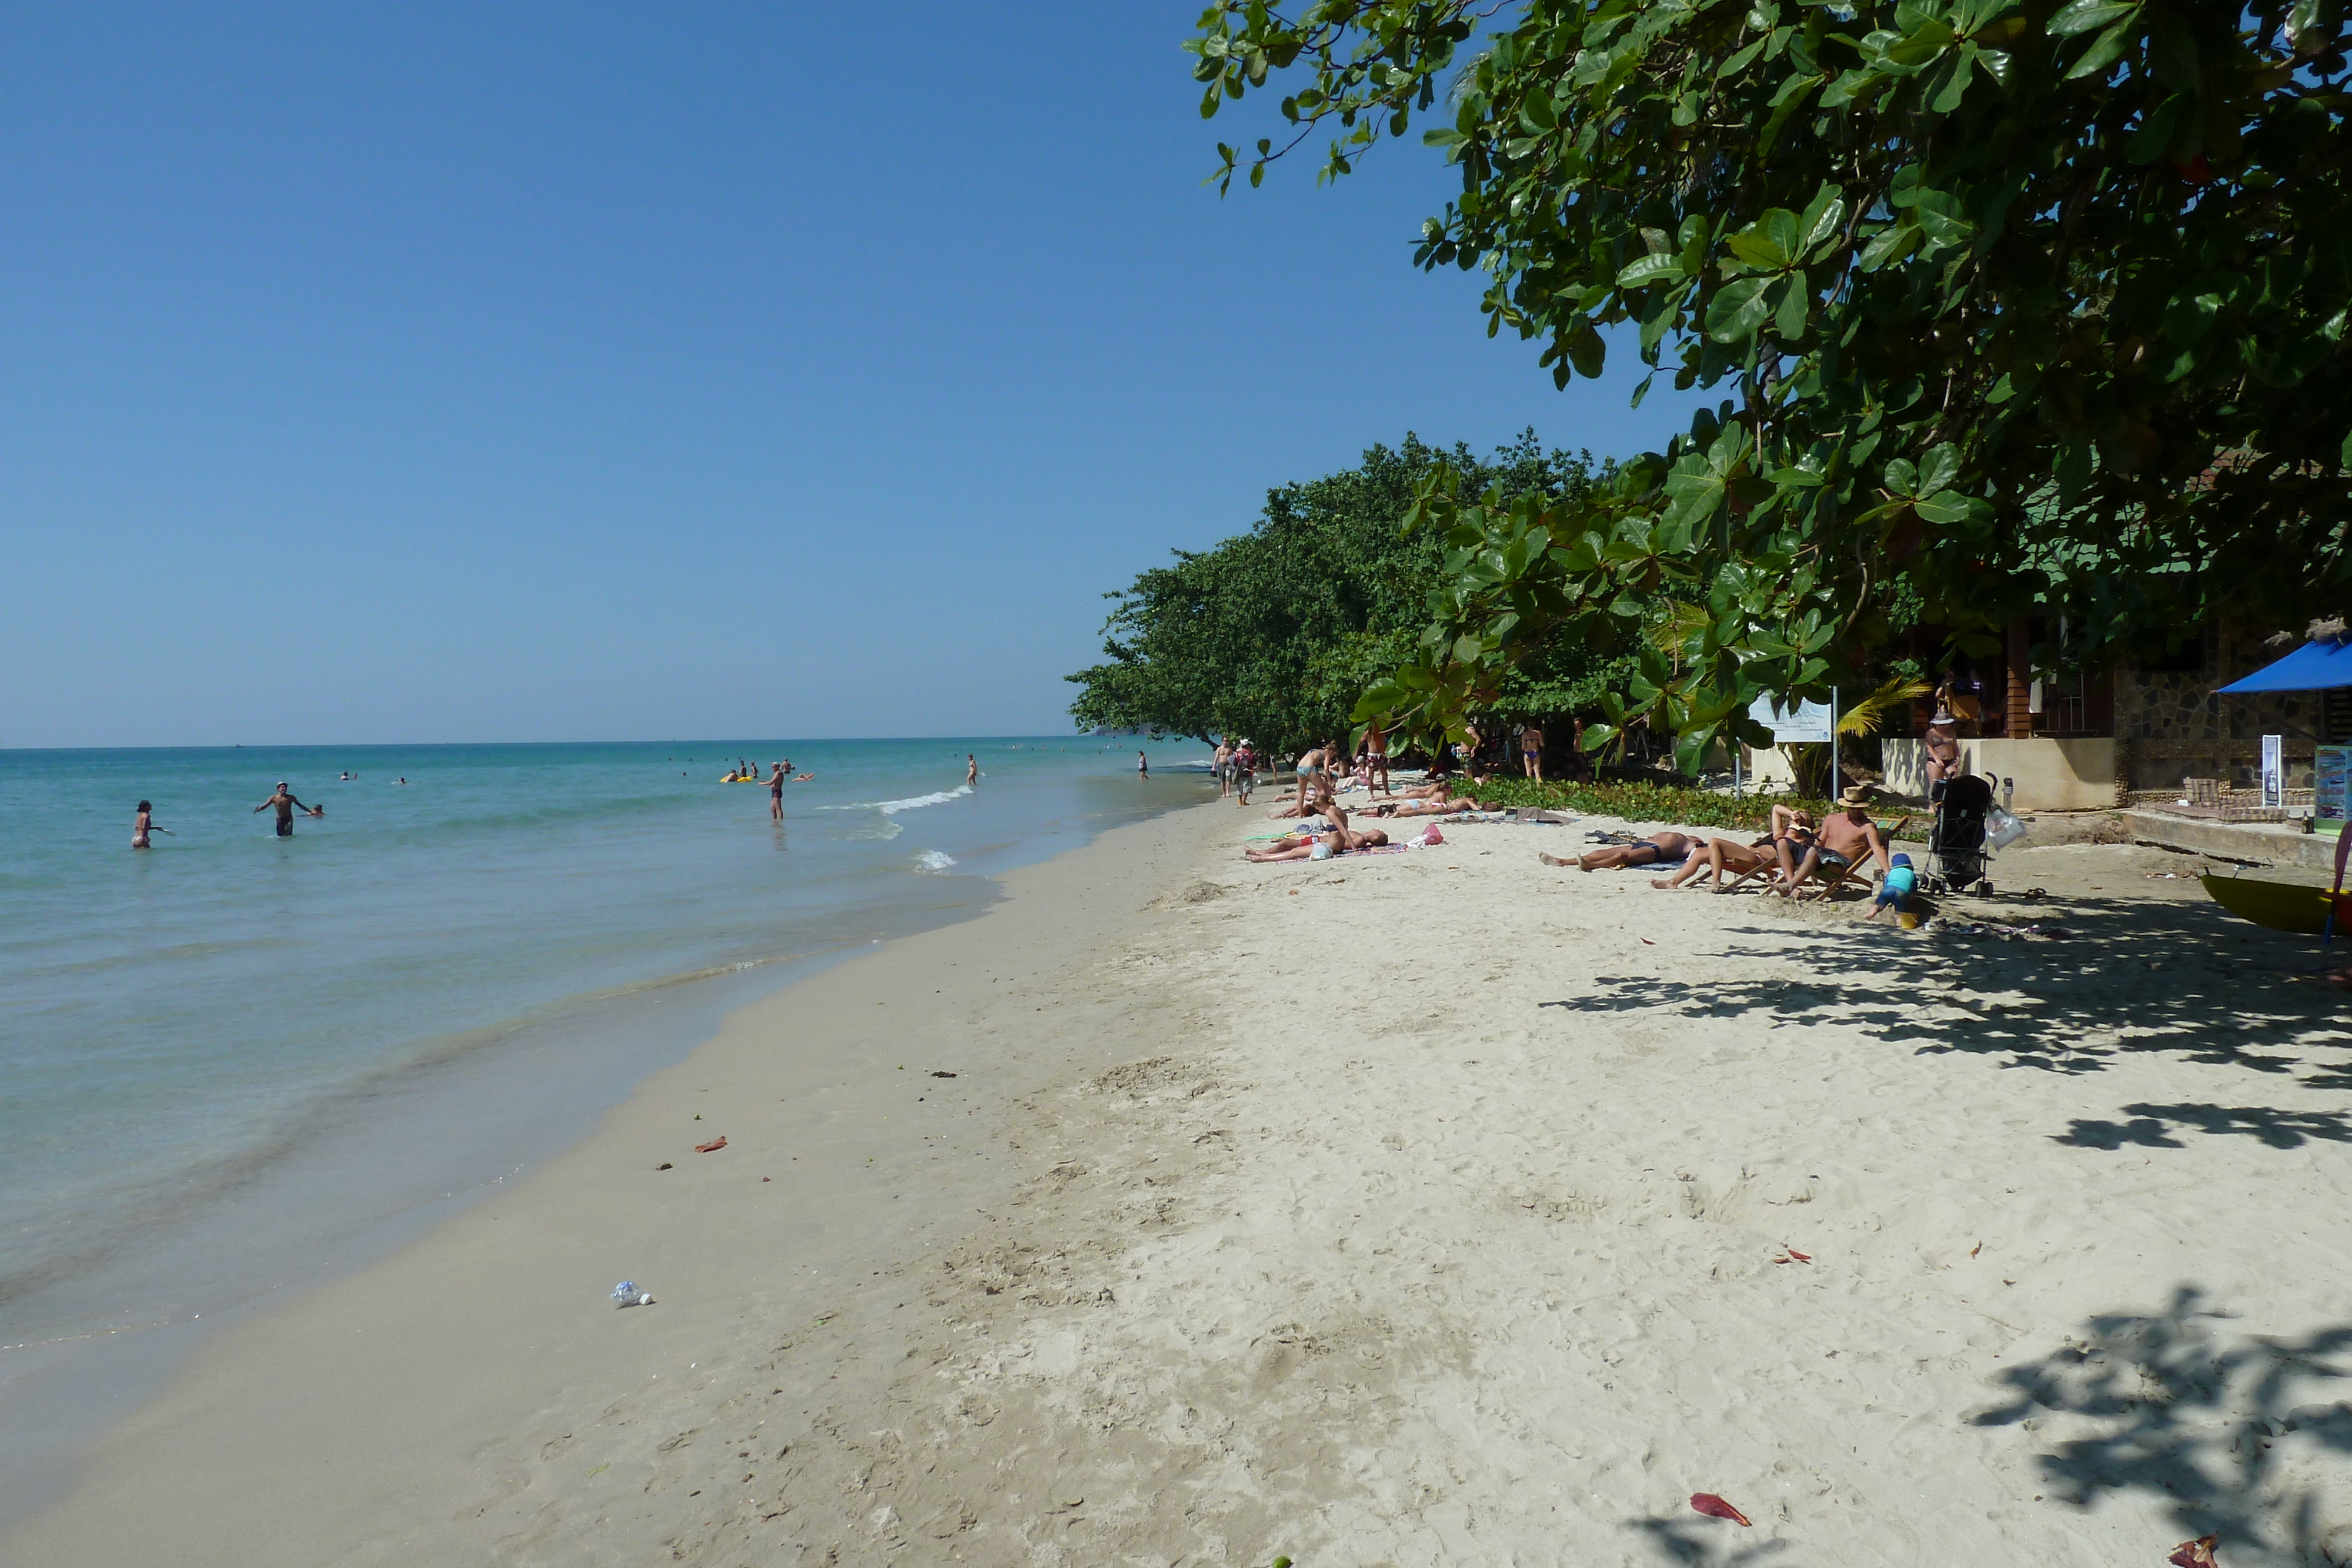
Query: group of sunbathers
column 1795, row 852
column 1316, row 796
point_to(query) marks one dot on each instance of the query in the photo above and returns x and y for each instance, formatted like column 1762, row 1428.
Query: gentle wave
column 892, row 808
column 932, row 860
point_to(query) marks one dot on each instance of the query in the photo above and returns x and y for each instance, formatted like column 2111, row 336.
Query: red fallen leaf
column 1714, row 1507
column 2197, row 1553
column 1647, row 943
column 711, row 1147
column 1800, row 1257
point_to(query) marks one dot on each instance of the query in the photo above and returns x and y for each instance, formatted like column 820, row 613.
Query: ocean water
column 428, row 986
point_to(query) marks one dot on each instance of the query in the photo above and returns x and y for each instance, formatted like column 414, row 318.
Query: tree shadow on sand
column 2151, row 1126
column 2231, row 1432
column 1706, row 1543
column 2166, row 977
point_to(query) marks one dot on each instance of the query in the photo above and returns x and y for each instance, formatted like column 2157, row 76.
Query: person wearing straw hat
column 1845, row 837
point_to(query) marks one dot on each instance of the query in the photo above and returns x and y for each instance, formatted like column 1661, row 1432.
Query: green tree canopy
column 1274, row 634
column 2032, row 306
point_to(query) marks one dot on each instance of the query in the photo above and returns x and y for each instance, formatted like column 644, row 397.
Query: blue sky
column 434, row 372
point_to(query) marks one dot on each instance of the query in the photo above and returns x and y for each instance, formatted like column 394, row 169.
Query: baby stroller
column 1958, row 855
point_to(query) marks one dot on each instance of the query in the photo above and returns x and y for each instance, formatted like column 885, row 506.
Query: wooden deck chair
column 1771, row 868
column 1825, row 884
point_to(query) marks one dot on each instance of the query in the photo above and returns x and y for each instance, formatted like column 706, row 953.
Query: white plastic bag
column 2001, row 828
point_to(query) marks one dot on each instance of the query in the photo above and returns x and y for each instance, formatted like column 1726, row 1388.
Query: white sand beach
column 1433, row 1207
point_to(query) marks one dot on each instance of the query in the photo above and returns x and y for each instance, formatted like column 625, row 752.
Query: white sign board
column 2274, row 772
column 1808, row 724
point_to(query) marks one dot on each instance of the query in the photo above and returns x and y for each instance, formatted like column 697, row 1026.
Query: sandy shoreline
column 1433, row 1207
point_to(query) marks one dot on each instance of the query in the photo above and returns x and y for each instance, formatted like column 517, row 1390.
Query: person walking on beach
column 144, row 824
column 776, row 794
column 1531, row 751
column 287, row 805
column 970, row 770
column 1221, row 764
column 1142, row 766
column 1244, row 771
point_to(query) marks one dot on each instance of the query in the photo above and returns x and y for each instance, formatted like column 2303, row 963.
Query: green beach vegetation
column 1644, row 802
column 2017, row 307
column 1275, row 633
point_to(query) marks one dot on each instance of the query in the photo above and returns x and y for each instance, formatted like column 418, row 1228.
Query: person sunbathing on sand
column 1305, row 806
column 1658, row 849
column 1435, row 808
column 1301, row 846
column 1719, row 854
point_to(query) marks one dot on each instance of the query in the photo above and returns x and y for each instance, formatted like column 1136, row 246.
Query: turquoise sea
column 234, row 1059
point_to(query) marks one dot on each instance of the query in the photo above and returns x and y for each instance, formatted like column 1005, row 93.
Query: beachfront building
column 2135, row 734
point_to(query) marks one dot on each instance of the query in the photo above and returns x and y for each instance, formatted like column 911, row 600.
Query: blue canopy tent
column 2314, row 667
column 2322, row 664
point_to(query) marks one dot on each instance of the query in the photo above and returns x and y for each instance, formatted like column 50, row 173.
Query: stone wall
column 2170, row 725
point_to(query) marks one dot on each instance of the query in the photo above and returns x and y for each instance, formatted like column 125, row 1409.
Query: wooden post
column 2017, row 720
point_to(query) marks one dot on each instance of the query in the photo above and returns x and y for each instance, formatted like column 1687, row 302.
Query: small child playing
column 1895, row 889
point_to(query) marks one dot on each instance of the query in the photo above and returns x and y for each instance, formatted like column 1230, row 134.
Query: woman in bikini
column 1719, row 854
column 1792, row 829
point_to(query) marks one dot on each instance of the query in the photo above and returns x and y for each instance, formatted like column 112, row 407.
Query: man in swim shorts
column 1658, row 849
column 1845, row 836
column 287, row 806
column 776, row 794
column 1376, row 754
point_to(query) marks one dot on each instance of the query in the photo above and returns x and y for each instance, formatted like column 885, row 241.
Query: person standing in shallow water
column 287, row 806
column 1142, row 766
column 143, row 824
column 970, row 770
column 776, row 794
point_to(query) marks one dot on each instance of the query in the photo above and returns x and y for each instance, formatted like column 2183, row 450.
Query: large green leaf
column 1650, row 269
column 1739, row 308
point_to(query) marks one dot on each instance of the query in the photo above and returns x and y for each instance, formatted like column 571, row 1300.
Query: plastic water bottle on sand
column 626, row 1294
